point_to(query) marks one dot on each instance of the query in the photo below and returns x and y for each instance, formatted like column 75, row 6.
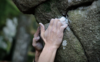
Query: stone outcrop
column 27, row 5
column 82, row 42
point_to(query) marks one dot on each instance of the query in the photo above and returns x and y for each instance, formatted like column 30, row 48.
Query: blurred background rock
column 16, row 33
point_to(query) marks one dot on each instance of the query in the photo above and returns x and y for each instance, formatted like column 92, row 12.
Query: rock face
column 26, row 5
column 82, row 42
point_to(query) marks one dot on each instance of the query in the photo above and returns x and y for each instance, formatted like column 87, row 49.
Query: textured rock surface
column 86, row 25
column 26, row 5
column 82, row 42
column 46, row 11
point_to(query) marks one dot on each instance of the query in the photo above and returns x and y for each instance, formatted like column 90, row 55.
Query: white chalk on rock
column 64, row 44
column 64, row 21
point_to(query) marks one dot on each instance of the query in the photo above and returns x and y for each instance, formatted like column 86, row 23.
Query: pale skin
column 37, row 44
column 52, row 37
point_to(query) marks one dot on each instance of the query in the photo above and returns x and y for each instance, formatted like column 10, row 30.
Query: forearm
column 48, row 54
column 37, row 54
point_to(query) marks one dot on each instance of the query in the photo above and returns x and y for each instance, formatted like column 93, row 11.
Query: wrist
column 50, row 47
column 37, row 54
column 50, row 52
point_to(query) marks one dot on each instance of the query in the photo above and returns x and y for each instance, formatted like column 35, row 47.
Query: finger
column 51, row 24
column 37, row 32
column 63, row 27
column 42, row 28
column 55, row 24
column 39, row 46
column 59, row 25
column 35, row 40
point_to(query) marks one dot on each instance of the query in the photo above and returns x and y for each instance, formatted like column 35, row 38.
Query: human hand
column 36, row 43
column 54, row 33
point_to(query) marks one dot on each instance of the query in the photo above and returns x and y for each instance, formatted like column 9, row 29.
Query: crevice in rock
column 73, row 7
column 31, row 10
column 80, row 43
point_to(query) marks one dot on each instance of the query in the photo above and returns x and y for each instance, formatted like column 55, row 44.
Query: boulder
column 81, row 43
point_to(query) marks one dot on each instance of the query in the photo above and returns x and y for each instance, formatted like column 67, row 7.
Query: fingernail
column 66, row 25
column 40, row 23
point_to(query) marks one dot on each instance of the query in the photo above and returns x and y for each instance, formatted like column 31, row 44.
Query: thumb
column 42, row 28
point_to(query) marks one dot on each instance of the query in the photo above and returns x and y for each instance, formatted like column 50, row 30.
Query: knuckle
column 59, row 23
column 57, row 19
column 51, row 20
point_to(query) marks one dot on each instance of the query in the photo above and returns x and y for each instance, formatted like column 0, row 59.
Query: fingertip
column 66, row 25
column 40, row 24
column 42, row 28
column 52, row 19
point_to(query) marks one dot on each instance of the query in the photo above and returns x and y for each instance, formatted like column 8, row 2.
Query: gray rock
column 27, row 5
column 85, row 23
column 82, row 42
